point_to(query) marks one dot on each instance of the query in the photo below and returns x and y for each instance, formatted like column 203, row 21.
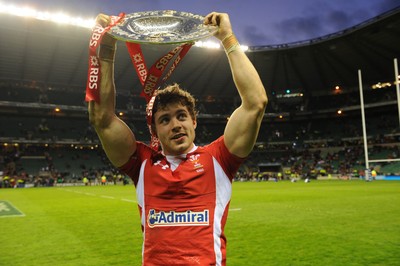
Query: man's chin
column 180, row 148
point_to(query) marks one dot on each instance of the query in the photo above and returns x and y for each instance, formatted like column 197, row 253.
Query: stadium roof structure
column 55, row 55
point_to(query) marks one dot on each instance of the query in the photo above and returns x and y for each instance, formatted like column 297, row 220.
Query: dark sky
column 255, row 22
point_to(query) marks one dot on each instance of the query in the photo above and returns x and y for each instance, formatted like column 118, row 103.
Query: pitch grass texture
column 283, row 223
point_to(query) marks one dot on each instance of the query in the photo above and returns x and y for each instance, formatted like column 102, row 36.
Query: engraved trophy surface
column 162, row 27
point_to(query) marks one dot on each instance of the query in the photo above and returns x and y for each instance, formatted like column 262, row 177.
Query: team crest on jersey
column 174, row 218
column 196, row 164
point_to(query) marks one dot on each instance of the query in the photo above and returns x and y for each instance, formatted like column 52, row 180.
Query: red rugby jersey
column 183, row 212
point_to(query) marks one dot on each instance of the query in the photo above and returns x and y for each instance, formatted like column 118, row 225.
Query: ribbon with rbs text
column 150, row 79
column 93, row 80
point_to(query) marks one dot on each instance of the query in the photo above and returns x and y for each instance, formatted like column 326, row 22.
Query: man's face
column 175, row 129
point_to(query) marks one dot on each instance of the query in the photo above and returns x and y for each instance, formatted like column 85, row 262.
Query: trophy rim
column 138, row 27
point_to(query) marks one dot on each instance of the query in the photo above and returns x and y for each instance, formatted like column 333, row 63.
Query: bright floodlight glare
column 63, row 18
column 54, row 17
column 244, row 48
column 214, row 45
column 208, row 44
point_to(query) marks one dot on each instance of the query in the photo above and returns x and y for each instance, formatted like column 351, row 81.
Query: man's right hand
column 104, row 20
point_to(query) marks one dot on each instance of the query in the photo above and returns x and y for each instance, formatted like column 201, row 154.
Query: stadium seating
column 293, row 140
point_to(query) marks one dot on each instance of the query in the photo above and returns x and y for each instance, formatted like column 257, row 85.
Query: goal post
column 364, row 128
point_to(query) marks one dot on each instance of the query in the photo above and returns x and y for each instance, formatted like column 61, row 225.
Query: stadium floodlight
column 214, row 45
column 58, row 17
column 244, row 47
column 62, row 18
column 208, row 44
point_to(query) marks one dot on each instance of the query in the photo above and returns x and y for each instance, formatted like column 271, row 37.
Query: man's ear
column 194, row 124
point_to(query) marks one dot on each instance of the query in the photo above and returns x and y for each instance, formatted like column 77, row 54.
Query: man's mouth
column 178, row 136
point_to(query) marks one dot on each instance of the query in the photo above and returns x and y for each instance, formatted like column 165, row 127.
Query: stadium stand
column 302, row 131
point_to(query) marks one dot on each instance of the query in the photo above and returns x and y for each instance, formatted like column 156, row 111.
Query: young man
column 183, row 191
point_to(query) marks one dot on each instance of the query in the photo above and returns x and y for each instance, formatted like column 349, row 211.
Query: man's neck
column 175, row 160
column 182, row 155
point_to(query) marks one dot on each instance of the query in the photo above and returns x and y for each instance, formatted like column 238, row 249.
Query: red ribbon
column 93, row 81
column 150, row 79
column 154, row 141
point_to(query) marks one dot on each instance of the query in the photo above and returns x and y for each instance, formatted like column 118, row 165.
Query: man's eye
column 164, row 120
column 182, row 116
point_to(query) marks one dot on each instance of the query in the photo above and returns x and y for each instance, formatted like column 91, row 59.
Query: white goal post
column 367, row 161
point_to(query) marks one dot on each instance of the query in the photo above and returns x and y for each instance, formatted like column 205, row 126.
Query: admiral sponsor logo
column 173, row 218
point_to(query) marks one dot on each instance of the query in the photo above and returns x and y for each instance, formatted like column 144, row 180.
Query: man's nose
column 176, row 124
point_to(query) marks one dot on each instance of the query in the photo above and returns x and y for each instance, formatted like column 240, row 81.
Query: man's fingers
column 207, row 19
column 103, row 20
column 212, row 18
column 215, row 18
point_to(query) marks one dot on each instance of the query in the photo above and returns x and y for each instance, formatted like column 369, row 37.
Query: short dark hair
column 174, row 94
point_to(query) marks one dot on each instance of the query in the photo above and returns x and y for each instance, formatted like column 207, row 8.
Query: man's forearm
column 245, row 76
column 100, row 113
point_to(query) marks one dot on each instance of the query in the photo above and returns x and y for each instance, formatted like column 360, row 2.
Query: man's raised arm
column 116, row 137
column 244, row 124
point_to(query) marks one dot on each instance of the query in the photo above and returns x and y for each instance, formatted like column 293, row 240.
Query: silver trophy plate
column 162, row 27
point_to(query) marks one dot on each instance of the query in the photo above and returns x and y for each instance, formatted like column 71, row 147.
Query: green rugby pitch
column 319, row 223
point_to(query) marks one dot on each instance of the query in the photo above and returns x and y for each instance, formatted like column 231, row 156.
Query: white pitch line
column 95, row 195
column 236, row 209
column 107, row 197
column 128, row 200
